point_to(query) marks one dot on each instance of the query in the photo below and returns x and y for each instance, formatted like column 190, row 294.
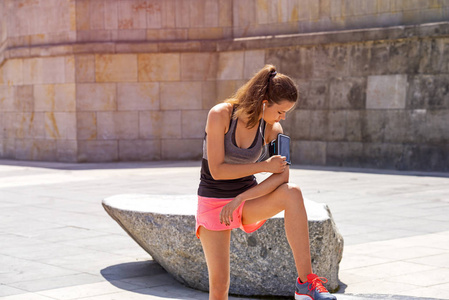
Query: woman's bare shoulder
column 219, row 115
column 221, row 111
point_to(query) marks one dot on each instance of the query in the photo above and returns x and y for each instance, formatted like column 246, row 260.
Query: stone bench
column 261, row 262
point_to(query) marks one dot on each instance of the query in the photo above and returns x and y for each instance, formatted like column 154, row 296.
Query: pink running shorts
column 208, row 215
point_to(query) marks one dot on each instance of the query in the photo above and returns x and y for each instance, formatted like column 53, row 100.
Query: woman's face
column 276, row 112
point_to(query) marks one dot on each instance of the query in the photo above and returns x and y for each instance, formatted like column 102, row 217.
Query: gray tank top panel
column 235, row 154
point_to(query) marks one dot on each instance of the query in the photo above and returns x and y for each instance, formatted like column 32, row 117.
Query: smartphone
column 281, row 146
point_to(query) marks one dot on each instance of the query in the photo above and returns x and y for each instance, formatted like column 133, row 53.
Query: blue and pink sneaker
column 312, row 289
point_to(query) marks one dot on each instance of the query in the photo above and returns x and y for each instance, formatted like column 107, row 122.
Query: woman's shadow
column 149, row 278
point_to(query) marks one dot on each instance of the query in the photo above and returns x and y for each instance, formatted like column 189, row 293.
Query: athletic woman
column 229, row 196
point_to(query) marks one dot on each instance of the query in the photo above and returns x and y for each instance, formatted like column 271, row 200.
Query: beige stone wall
column 43, row 22
column 108, row 80
column 38, row 109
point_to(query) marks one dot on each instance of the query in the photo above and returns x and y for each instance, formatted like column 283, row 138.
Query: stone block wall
column 134, row 80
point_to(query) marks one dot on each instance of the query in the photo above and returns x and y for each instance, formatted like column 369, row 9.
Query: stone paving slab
column 57, row 242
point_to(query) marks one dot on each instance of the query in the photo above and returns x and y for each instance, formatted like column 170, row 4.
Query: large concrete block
column 2, row 125
column 181, row 149
column 314, row 95
column 383, row 156
column 373, row 125
column 297, row 62
column 359, row 59
column 225, row 13
column 96, row 97
column 354, row 126
column 60, row 125
column 116, row 67
column 244, row 14
column 230, row 65
column 298, row 124
column 180, row 95
column 85, row 68
column 337, row 125
column 141, row 150
column 181, row 14
column 254, row 61
column 196, row 13
column 29, row 125
column 160, row 124
column 209, row 94
column 123, row 125
column 319, row 125
column 13, row 72
column 9, row 125
column 386, row 92
column 44, row 70
column 159, row 67
column 35, row 149
column 169, row 15
column 83, row 15
column 86, row 125
column 7, row 96
column 227, row 88
column 437, row 125
column 330, row 61
column 395, row 126
column 24, row 98
column 67, row 150
column 138, row 96
column 44, row 97
column 380, row 55
column 347, row 93
column 70, row 71
column 54, row 97
column 154, row 13
column 344, row 154
column 434, row 56
column 131, row 15
column 308, row 152
column 97, row 14
column 426, row 157
column 110, row 14
column 8, row 148
column 428, row 92
column 404, row 57
column 199, row 66
column 261, row 263
column 193, row 123
column 211, row 13
column 97, row 151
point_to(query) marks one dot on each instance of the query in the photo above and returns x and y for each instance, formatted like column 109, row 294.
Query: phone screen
column 284, row 147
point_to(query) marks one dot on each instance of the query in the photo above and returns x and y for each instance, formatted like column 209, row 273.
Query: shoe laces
column 317, row 283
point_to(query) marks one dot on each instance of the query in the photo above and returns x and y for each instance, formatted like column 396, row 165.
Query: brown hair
column 266, row 84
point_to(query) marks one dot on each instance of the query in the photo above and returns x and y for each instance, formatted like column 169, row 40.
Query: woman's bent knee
column 293, row 194
column 291, row 190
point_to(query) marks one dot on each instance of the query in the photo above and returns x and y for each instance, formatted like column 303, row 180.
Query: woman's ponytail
column 267, row 84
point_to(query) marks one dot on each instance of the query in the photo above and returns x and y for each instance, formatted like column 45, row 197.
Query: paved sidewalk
column 57, row 242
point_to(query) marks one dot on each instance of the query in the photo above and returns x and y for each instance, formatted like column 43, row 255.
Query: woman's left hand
column 226, row 214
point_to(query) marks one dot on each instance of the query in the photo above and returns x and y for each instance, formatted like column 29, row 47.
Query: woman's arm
column 265, row 187
column 216, row 127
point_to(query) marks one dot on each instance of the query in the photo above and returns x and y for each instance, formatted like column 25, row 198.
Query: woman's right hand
column 276, row 164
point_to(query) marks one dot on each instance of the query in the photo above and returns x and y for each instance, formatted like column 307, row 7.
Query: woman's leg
column 216, row 246
column 288, row 198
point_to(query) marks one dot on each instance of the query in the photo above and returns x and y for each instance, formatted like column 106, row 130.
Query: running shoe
column 312, row 289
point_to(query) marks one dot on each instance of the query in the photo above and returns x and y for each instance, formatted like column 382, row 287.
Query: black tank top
column 209, row 187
